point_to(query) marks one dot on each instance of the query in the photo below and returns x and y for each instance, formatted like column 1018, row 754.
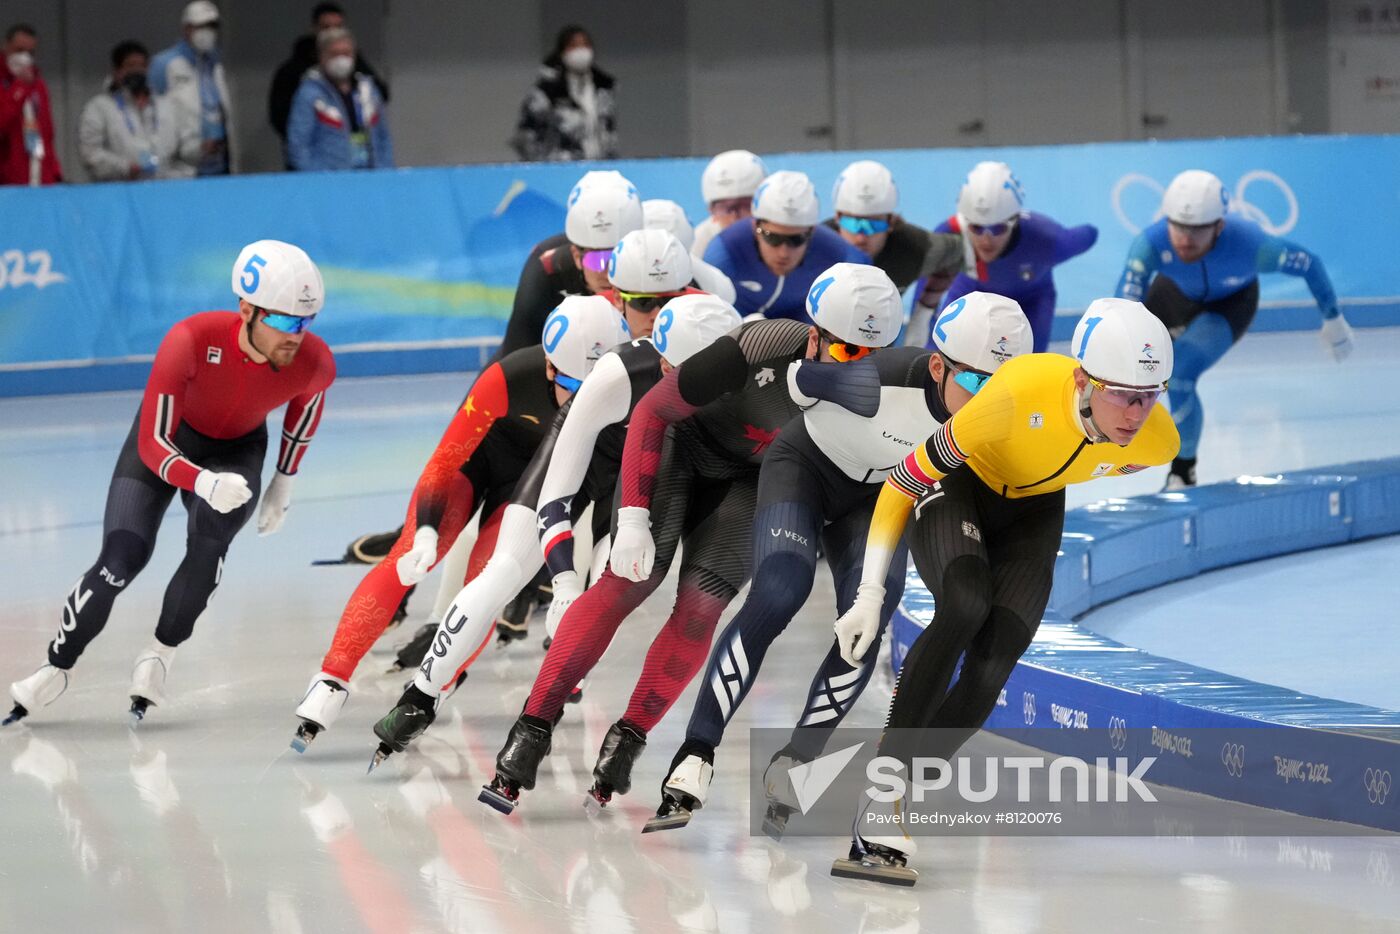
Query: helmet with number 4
column 982, row 330
column 688, row 324
column 578, row 332
column 857, row 304
column 279, row 277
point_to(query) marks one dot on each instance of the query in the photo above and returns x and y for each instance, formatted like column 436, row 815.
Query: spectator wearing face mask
column 26, row 123
column 289, row 74
column 127, row 133
column 571, row 111
column 337, row 119
column 191, row 74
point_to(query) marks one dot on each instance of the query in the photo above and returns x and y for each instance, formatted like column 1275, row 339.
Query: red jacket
column 14, row 158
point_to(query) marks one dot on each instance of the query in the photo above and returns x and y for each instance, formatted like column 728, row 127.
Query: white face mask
column 19, row 61
column 340, row 67
column 579, row 59
column 204, row 39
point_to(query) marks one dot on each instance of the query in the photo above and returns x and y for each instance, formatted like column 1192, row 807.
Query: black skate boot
column 514, row 622
column 373, row 547
column 410, row 654
column 413, row 714
column 1182, row 476
column 619, row 752
column 517, row 763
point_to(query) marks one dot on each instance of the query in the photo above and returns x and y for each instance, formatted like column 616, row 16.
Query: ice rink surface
column 203, row 820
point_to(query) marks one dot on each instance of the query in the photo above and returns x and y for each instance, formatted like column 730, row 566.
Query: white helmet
column 856, row 303
column 1195, row 197
column 599, row 177
column 688, row 324
column 991, row 194
column 982, row 330
column 787, row 198
column 579, row 331
column 660, row 214
column 1121, row 342
column 650, row 261
column 865, row 189
column 602, row 213
column 733, row 174
column 279, row 277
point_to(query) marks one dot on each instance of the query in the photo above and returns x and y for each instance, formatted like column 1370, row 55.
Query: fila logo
column 215, row 355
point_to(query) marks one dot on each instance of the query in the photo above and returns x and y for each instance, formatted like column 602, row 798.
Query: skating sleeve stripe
column 164, row 437
column 294, row 442
column 946, row 456
column 562, row 536
column 1131, row 468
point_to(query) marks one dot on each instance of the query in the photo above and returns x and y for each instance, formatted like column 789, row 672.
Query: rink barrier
column 1267, row 745
column 417, row 260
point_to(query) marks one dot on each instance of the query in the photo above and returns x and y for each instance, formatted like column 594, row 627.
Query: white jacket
column 173, row 75
column 113, row 133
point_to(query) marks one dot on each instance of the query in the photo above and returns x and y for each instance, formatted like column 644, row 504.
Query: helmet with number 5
column 857, row 304
column 982, row 331
column 279, row 277
column 578, row 332
column 1120, row 342
column 688, row 324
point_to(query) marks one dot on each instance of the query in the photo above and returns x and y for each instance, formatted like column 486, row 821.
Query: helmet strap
column 1086, row 416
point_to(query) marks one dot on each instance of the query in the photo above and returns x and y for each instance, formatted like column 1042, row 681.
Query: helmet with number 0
column 857, row 304
column 982, row 330
column 991, row 194
column 688, row 324
column 787, row 198
column 660, row 214
column 602, row 213
column 279, row 277
column 736, row 173
column 865, row 189
column 1195, row 198
column 1119, row 341
column 579, row 331
column 649, row 261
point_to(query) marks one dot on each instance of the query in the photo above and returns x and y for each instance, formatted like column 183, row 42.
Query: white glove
column 224, row 491
column 633, row 551
column 415, row 565
column 275, row 500
column 1336, row 337
column 567, row 589
column 798, row 396
column 856, row 630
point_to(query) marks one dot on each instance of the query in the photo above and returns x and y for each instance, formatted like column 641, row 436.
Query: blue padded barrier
column 1267, row 745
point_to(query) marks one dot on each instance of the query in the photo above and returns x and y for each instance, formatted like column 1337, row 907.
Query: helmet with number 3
column 280, row 277
column 688, row 324
column 579, row 331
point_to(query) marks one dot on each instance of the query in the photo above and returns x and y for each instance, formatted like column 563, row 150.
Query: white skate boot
column 880, row 845
column 148, row 679
column 318, row 710
column 682, row 793
column 777, row 788
column 38, row 690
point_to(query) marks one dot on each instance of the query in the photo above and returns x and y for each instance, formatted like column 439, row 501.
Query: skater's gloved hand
column 1336, row 337
column 633, row 551
column 415, row 565
column 224, row 491
column 856, row 630
column 567, row 589
column 275, row 501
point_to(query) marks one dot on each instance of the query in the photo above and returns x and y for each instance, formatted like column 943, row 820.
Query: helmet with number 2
column 982, row 331
column 688, row 324
column 579, row 331
column 279, row 277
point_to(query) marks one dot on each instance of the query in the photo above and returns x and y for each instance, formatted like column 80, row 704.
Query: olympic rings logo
column 1232, row 757
column 1378, row 783
column 1117, row 732
column 1028, row 707
column 1239, row 201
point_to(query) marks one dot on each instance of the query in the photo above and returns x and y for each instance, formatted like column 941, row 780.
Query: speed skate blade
column 15, row 715
column 493, row 798
column 304, row 735
column 380, row 754
column 672, row 821
column 775, row 824
column 874, row 871
column 139, row 705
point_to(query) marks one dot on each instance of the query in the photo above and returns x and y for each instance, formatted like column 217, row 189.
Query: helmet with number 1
column 688, row 324
column 649, row 261
column 736, row 173
column 991, row 194
column 602, row 212
column 865, row 189
column 982, row 330
column 279, row 277
column 1119, row 341
column 579, row 331
column 1195, row 198
column 857, row 304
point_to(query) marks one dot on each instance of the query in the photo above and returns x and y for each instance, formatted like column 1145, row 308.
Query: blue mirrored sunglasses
column 971, row 380
column 568, row 382
column 287, row 324
column 990, row 230
column 863, row 225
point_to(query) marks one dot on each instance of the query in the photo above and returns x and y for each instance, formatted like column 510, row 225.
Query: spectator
column 337, row 119
column 303, row 58
column 571, row 111
column 126, row 132
column 27, row 155
column 191, row 74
